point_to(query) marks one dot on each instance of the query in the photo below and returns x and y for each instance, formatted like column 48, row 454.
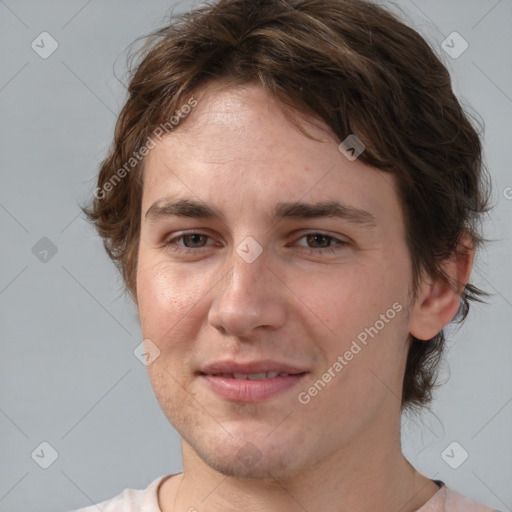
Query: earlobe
column 439, row 299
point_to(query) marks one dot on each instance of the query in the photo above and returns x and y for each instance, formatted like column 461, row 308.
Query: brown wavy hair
column 349, row 63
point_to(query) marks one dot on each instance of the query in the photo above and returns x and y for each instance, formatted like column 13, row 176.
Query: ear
column 438, row 301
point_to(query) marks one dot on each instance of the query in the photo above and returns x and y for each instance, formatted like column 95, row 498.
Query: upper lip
column 249, row 367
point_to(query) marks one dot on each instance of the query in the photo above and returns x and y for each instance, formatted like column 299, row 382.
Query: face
column 267, row 254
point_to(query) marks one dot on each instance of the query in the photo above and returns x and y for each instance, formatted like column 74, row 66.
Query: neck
column 366, row 476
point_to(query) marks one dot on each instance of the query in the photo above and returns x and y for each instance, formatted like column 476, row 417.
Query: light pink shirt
column 146, row 500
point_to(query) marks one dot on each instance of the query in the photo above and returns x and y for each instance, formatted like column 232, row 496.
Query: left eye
column 319, row 239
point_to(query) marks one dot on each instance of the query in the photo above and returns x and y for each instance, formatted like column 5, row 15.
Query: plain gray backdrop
column 68, row 373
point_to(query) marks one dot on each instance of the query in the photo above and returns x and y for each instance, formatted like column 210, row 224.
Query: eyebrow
column 284, row 210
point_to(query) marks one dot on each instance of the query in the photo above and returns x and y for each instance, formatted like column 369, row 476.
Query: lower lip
column 242, row 390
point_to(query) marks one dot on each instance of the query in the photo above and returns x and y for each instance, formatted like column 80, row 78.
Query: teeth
column 254, row 376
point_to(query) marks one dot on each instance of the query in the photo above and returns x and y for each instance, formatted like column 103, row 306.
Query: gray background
column 68, row 375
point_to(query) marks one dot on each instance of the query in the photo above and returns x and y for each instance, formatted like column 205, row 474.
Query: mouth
column 250, row 382
column 252, row 376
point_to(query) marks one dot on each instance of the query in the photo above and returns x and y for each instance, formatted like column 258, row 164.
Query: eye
column 192, row 242
column 319, row 239
column 318, row 243
column 315, row 243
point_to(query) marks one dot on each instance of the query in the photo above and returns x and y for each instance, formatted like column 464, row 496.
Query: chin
column 268, row 467
column 249, row 457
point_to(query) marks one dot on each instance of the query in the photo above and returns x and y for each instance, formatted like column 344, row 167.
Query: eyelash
column 171, row 243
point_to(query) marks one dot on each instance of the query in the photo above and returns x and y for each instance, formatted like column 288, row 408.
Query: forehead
column 239, row 146
column 228, row 116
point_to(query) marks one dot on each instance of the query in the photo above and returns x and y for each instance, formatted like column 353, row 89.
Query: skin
column 238, row 152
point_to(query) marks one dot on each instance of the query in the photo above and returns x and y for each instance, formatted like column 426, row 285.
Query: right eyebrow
column 183, row 208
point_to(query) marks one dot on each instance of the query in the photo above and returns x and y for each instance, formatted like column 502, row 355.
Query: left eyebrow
column 301, row 210
column 282, row 210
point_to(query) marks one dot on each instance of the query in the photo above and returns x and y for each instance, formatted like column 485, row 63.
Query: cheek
column 365, row 310
column 347, row 300
column 171, row 310
column 170, row 302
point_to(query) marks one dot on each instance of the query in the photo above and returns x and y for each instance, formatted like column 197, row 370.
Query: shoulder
column 456, row 502
column 131, row 500
column 448, row 500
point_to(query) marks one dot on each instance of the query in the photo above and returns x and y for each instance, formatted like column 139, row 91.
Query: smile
column 253, row 387
column 252, row 376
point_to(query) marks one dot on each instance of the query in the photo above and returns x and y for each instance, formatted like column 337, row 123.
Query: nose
column 248, row 298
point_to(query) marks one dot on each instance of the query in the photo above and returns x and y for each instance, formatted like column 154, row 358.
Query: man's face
column 251, row 292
